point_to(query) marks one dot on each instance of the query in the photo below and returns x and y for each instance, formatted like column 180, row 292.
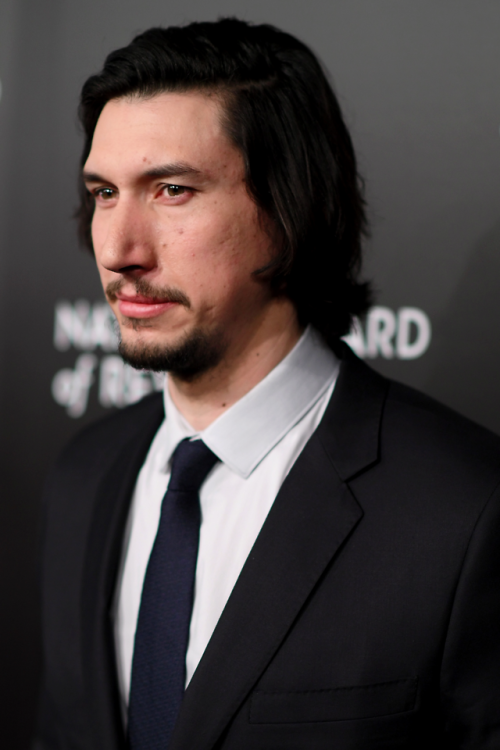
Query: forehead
column 169, row 126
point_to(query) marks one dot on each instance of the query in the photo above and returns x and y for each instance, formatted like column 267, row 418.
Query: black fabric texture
column 378, row 565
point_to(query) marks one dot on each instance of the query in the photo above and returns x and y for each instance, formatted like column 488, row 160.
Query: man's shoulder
column 98, row 443
column 433, row 457
column 408, row 411
column 418, row 419
column 95, row 470
column 410, row 433
column 410, row 461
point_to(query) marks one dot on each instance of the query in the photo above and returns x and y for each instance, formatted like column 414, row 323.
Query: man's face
column 176, row 235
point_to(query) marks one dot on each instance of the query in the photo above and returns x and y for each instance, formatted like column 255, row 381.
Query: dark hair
column 282, row 114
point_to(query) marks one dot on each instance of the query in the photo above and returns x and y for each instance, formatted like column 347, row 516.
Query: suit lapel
column 312, row 516
column 101, row 568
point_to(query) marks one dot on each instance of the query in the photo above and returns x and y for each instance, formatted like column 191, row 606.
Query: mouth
column 139, row 306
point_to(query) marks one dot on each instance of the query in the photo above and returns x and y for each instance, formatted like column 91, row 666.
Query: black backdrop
column 420, row 85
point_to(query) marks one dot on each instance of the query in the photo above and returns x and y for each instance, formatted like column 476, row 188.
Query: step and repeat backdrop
column 420, row 87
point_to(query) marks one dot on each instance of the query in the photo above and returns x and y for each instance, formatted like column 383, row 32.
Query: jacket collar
column 350, row 429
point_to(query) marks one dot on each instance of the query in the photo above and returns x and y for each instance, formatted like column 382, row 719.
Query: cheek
column 98, row 234
column 217, row 263
column 215, row 250
column 234, row 242
column 199, row 250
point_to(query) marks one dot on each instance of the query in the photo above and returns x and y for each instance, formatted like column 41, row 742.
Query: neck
column 247, row 361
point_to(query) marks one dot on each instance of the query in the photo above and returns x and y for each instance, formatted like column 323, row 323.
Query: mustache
column 146, row 289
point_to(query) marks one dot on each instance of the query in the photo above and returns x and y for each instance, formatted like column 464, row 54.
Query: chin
column 196, row 353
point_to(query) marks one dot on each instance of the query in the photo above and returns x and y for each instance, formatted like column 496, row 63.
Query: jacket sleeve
column 46, row 735
column 470, row 674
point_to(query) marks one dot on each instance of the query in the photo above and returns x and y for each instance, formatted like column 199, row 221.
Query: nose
column 123, row 238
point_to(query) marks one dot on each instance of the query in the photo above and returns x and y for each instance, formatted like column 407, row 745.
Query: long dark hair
column 282, row 114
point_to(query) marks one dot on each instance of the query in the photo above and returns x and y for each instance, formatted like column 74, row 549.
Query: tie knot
column 191, row 462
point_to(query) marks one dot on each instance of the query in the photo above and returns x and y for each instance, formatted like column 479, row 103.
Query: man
column 288, row 550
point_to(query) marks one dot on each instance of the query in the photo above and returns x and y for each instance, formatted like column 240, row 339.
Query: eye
column 104, row 194
column 175, row 190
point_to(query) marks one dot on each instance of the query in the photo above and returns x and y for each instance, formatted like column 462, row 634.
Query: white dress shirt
column 257, row 441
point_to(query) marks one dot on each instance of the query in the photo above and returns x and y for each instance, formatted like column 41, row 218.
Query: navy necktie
column 159, row 661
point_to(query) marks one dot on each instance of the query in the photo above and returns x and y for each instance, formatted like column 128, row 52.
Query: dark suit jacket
column 366, row 616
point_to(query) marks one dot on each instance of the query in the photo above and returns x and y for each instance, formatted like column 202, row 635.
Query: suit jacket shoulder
column 404, row 432
column 100, row 442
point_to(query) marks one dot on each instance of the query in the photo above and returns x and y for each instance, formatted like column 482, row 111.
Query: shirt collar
column 249, row 430
column 175, row 428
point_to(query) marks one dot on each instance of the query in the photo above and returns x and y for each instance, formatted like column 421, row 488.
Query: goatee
column 194, row 355
column 197, row 352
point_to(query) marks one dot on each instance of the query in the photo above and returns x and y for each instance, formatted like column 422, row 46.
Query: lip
column 138, row 306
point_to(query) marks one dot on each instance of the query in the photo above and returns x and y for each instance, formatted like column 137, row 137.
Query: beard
column 196, row 353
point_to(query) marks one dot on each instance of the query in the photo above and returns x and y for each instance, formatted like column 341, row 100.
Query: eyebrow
column 175, row 169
